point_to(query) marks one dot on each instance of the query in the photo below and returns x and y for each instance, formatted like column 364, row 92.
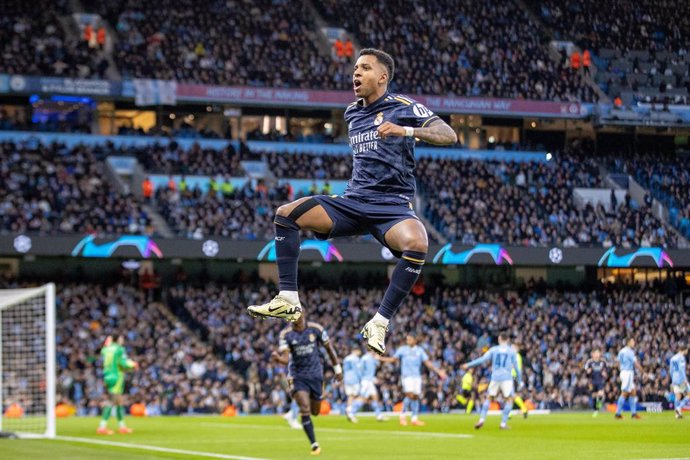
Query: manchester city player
column 411, row 357
column 352, row 378
column 627, row 361
column 503, row 361
column 597, row 371
column 299, row 349
column 382, row 128
column 679, row 379
column 367, row 388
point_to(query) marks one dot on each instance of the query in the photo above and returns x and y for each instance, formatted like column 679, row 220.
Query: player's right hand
column 389, row 129
column 135, row 365
column 464, row 367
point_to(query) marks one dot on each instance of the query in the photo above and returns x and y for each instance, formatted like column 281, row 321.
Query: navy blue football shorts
column 311, row 385
column 597, row 385
column 354, row 217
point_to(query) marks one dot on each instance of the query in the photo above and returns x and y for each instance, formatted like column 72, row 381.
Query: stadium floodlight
column 27, row 362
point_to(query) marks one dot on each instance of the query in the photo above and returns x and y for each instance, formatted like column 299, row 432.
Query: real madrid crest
column 379, row 119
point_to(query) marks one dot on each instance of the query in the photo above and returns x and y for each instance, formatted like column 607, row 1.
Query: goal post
column 27, row 361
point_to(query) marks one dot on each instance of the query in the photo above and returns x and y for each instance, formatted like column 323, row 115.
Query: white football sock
column 379, row 318
column 291, row 296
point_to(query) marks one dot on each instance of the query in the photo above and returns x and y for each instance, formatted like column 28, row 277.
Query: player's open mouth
column 356, row 84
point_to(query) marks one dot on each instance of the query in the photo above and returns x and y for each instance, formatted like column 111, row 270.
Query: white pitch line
column 167, row 450
column 354, row 431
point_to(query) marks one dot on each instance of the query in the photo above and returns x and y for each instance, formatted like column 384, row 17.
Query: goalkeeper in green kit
column 115, row 363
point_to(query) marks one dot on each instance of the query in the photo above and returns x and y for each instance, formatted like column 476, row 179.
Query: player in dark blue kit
column 299, row 349
column 597, row 372
column 382, row 128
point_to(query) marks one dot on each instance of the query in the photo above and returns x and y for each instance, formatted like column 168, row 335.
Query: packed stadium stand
column 641, row 48
column 667, row 179
column 53, row 189
column 555, row 330
column 233, row 43
column 532, row 204
column 471, row 49
column 33, row 42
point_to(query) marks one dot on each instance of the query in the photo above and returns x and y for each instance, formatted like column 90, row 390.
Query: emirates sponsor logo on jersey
column 361, row 142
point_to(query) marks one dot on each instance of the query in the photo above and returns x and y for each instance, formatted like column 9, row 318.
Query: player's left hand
column 388, row 129
column 464, row 367
column 442, row 374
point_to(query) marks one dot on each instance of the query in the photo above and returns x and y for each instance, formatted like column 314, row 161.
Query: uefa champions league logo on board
column 327, row 250
column 658, row 255
column 87, row 247
column 498, row 253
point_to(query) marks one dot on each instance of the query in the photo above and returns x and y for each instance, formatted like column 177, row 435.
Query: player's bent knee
column 414, row 245
column 283, row 210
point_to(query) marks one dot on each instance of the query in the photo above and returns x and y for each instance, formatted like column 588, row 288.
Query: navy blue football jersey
column 304, row 347
column 383, row 169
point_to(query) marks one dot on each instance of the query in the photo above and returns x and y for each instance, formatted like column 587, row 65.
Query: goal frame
column 48, row 291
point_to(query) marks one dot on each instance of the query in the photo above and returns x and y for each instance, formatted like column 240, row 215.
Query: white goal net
column 27, row 361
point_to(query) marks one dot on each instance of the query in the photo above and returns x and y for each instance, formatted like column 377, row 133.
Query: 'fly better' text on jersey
column 383, row 169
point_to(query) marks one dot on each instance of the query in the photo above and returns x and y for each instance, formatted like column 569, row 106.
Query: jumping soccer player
column 503, row 361
column 115, row 364
column 411, row 357
column 597, row 372
column 352, row 380
column 679, row 379
column 382, row 128
column 627, row 361
column 299, row 349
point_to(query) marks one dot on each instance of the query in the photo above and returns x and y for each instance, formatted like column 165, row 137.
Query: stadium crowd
column 201, row 352
column 667, row 179
column 493, row 50
column 531, row 204
column 641, row 47
column 54, row 189
column 556, row 331
column 473, row 49
column 641, row 25
column 245, row 213
column 231, row 43
column 173, row 159
column 33, row 42
column 178, row 373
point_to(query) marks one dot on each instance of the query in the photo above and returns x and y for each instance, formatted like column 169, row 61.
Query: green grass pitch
column 558, row 436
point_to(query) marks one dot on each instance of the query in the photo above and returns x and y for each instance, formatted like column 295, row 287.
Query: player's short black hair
column 503, row 336
column 383, row 57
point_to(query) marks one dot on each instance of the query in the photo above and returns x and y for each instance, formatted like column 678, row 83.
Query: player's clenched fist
column 388, row 129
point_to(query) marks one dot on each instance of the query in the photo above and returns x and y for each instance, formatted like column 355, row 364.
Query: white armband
column 338, row 369
column 409, row 131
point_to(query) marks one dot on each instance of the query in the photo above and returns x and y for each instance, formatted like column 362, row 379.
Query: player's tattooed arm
column 437, row 133
column 281, row 357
